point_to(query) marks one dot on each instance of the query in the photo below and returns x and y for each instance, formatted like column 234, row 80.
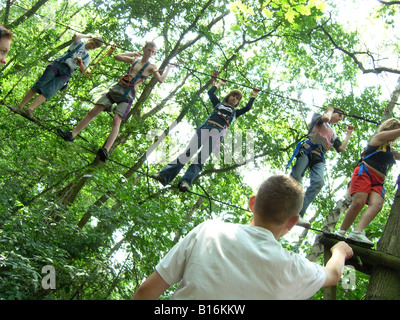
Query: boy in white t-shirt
column 219, row 260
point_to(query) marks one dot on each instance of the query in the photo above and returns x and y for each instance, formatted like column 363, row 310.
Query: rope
column 112, row 48
column 208, row 197
column 127, row 78
column 128, row 167
column 214, row 77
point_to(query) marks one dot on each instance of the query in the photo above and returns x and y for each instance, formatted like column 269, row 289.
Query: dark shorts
column 121, row 95
column 54, row 78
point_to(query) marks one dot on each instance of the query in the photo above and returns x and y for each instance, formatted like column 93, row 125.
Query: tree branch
column 376, row 70
column 29, row 13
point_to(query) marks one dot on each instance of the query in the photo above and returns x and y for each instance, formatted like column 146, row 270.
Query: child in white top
column 219, row 260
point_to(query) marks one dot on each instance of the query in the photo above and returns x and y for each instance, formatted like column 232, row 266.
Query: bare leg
column 358, row 203
column 114, row 131
column 97, row 109
column 375, row 203
column 29, row 95
column 37, row 102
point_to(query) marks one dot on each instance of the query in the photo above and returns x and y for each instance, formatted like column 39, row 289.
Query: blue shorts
column 52, row 80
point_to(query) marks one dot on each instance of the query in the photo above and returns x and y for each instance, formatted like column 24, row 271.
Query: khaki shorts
column 116, row 96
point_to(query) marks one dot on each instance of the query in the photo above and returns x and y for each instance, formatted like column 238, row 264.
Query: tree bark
column 385, row 282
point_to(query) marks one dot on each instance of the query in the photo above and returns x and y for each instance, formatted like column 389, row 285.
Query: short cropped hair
column 4, row 33
column 340, row 111
column 278, row 198
column 150, row 44
column 236, row 93
column 99, row 41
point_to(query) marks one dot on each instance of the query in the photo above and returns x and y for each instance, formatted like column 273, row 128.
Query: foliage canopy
column 104, row 228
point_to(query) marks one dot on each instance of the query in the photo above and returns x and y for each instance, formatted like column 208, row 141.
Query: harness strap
column 125, row 79
column 56, row 73
column 98, row 61
column 364, row 168
column 305, row 152
column 223, row 117
column 71, row 52
column 130, row 84
column 108, row 95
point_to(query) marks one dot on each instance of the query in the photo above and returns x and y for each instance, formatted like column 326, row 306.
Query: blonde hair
column 389, row 124
column 150, row 44
column 278, row 198
column 236, row 93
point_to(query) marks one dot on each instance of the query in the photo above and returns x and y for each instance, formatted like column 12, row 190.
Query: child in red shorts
column 366, row 185
column 366, row 181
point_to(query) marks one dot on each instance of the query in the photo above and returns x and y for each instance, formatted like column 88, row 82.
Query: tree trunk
column 329, row 225
column 392, row 103
column 384, row 283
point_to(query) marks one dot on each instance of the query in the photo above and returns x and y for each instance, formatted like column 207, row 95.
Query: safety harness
column 130, row 82
column 227, row 119
column 66, row 56
column 306, row 152
column 70, row 53
column 364, row 168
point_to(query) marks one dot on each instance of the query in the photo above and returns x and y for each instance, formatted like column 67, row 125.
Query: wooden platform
column 364, row 260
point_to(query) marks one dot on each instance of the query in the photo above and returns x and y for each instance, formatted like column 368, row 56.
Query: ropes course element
column 126, row 166
column 215, row 77
column 109, row 51
column 126, row 79
column 208, row 197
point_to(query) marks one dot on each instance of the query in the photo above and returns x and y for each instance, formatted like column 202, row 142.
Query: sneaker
column 28, row 113
column 159, row 178
column 359, row 236
column 341, row 234
column 183, row 186
column 16, row 109
column 103, row 154
column 66, row 135
column 303, row 223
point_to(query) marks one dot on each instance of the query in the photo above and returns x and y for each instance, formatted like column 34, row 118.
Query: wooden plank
column 365, row 259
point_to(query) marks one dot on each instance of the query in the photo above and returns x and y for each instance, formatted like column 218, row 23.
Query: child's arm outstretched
column 341, row 251
column 78, row 36
column 249, row 104
column 384, row 137
column 211, row 93
column 152, row 288
column 127, row 57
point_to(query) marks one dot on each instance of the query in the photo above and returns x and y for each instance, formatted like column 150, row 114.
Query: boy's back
column 207, row 262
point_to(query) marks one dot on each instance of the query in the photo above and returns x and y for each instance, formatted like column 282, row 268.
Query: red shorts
column 365, row 183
